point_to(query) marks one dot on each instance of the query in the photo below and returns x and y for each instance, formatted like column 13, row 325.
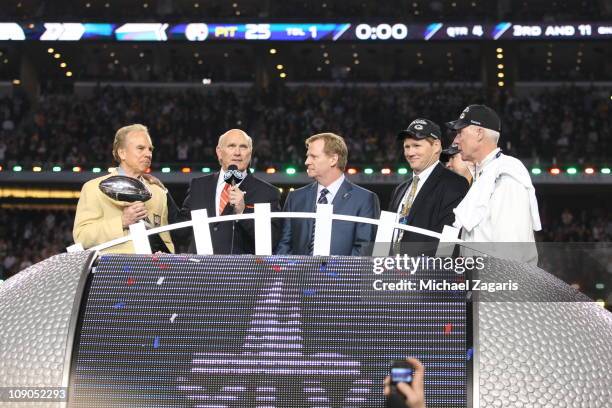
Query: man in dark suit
column 428, row 198
column 220, row 198
column 325, row 162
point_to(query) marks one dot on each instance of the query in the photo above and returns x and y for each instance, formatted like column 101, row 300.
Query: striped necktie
column 322, row 200
column 407, row 206
column 224, row 199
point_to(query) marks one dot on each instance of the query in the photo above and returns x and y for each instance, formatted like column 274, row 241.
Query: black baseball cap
column 449, row 152
column 420, row 129
column 478, row 115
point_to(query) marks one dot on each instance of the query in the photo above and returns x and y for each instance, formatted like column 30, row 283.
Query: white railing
column 200, row 222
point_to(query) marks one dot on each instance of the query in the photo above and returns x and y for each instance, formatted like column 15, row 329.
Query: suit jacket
column 348, row 238
column 433, row 206
column 98, row 217
column 201, row 194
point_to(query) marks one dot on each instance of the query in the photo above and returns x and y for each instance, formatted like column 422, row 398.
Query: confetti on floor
column 310, row 292
column 470, row 353
column 127, row 268
column 130, row 281
column 156, row 342
column 276, row 268
column 195, row 260
column 119, row 305
column 448, row 327
column 160, row 280
column 174, row 315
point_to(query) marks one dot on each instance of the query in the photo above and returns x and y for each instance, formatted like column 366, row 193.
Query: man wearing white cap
column 501, row 205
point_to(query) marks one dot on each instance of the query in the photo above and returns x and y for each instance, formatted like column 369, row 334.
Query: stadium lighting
column 186, row 170
column 63, row 65
column 500, row 66
column 599, row 286
column 251, row 170
column 499, row 50
column 17, row 168
column 205, row 169
column 352, row 171
column 368, row 171
column 68, row 73
column 605, row 170
column 500, row 74
column 571, row 170
column 56, row 169
column 165, row 170
column 57, row 55
column 279, row 66
column 96, row 170
column 500, row 83
column 50, row 50
column 16, row 82
column 270, row 170
column 272, row 50
column 290, row 171
column 402, row 171
column 36, row 169
column 76, row 169
column 589, row 170
column 500, row 56
column 555, row 171
column 283, row 75
column 386, row 171
column 536, row 170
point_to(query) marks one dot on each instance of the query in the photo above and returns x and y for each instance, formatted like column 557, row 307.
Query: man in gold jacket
column 100, row 219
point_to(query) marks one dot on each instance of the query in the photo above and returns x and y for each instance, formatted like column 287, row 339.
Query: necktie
column 224, row 199
column 322, row 200
column 407, row 205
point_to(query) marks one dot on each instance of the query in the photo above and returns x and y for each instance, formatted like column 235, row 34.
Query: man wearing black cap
column 501, row 205
column 428, row 198
column 454, row 162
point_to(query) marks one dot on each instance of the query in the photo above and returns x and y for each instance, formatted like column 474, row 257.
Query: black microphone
column 233, row 176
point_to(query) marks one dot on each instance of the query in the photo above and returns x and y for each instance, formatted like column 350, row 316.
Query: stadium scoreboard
column 324, row 32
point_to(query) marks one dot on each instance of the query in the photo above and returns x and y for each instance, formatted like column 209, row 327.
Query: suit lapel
column 425, row 191
column 397, row 200
column 342, row 196
column 310, row 206
column 311, row 200
column 210, row 189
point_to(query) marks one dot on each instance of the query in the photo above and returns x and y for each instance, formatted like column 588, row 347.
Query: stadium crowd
column 547, row 127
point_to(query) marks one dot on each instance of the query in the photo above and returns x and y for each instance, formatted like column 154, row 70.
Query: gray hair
column 491, row 134
column 121, row 135
column 221, row 141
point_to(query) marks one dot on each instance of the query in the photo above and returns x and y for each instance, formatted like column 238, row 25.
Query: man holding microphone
column 232, row 190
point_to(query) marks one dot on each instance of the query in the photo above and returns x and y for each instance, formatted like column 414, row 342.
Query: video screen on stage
column 247, row 331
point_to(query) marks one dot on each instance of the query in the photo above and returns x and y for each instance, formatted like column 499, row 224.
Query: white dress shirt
column 220, row 186
column 332, row 190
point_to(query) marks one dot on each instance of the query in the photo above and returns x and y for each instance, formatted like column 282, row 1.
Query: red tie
column 224, row 198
